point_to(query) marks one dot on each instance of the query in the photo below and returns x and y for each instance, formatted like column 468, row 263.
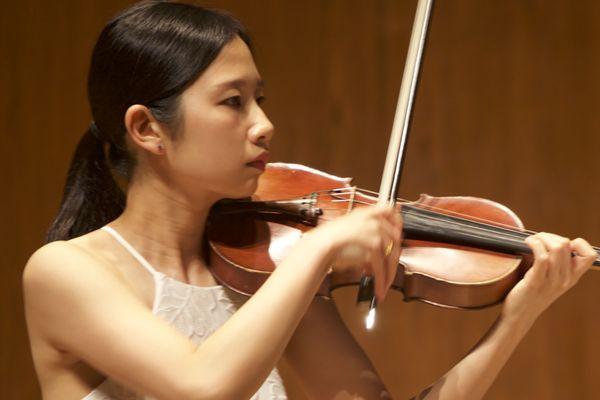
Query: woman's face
column 223, row 128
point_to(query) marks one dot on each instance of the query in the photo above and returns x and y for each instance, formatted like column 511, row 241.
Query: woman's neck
column 166, row 227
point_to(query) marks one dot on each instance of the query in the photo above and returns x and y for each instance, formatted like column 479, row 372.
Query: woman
column 175, row 96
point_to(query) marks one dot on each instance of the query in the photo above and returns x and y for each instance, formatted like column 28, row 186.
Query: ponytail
column 91, row 197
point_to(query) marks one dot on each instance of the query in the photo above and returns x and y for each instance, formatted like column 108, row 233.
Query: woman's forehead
column 234, row 67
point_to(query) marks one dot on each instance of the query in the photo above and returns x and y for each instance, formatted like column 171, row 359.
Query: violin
column 457, row 252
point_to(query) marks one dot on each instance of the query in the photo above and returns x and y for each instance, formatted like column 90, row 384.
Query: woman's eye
column 234, row 101
column 260, row 100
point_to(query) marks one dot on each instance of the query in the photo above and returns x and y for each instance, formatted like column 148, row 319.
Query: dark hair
column 148, row 54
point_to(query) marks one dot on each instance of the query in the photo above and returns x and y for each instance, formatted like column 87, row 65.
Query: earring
column 160, row 147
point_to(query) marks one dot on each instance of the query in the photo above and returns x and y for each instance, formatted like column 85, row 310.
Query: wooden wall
column 507, row 110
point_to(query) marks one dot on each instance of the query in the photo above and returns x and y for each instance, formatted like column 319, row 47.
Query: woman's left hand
column 554, row 271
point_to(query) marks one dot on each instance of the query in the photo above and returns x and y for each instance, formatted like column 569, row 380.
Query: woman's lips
column 258, row 164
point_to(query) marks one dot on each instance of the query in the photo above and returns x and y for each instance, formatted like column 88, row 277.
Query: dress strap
column 130, row 249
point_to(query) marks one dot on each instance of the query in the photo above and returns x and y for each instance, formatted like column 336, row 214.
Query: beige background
column 507, row 110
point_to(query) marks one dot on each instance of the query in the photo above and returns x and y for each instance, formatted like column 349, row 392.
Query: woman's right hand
column 359, row 239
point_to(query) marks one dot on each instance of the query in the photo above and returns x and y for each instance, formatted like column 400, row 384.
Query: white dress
column 195, row 311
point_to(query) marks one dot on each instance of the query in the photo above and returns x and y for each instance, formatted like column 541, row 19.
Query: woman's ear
column 144, row 130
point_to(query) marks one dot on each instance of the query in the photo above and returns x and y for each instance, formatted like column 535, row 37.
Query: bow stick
column 392, row 171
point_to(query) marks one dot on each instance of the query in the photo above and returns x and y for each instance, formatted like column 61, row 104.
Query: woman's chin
column 246, row 189
column 250, row 188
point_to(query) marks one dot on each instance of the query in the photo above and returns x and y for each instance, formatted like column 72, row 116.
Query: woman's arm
column 77, row 305
column 327, row 360
column 83, row 308
column 554, row 271
column 474, row 374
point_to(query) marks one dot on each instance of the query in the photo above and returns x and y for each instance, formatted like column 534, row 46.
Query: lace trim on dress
column 196, row 312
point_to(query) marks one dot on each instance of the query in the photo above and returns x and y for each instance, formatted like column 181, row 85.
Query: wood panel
column 507, row 110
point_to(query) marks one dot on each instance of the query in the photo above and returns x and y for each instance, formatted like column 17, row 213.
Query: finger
column 395, row 217
column 556, row 260
column 368, row 269
column 379, row 270
column 399, row 225
column 393, row 261
column 585, row 255
column 381, row 210
column 390, row 232
column 538, row 272
column 393, row 239
column 559, row 254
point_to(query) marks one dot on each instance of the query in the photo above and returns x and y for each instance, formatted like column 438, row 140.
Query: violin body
column 248, row 239
column 458, row 276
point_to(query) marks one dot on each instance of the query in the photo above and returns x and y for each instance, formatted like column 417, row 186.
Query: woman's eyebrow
column 239, row 83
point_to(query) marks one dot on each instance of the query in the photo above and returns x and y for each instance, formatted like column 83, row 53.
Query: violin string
column 483, row 228
column 509, row 232
column 509, row 229
column 456, row 214
column 452, row 213
column 516, row 242
column 509, row 239
column 511, row 235
column 448, row 212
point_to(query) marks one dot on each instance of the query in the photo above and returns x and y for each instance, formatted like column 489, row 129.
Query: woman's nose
column 262, row 131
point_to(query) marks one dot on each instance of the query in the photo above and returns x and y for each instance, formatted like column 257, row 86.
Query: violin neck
column 423, row 224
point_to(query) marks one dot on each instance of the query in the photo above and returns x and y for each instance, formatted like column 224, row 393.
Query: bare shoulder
column 77, row 307
column 53, row 263
column 63, row 276
column 61, row 264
